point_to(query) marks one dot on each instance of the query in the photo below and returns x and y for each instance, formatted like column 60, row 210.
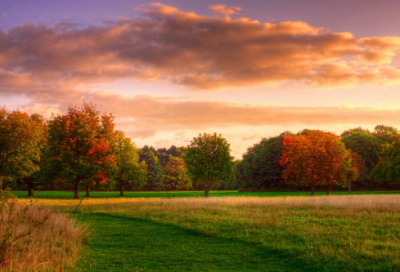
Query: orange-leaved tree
column 316, row 158
column 80, row 145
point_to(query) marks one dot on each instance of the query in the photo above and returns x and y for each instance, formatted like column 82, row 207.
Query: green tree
column 366, row 145
column 176, row 177
column 385, row 132
column 156, row 181
column 39, row 146
column 128, row 169
column 369, row 147
column 388, row 168
column 21, row 140
column 79, row 145
column 353, row 131
column 260, row 166
column 209, row 161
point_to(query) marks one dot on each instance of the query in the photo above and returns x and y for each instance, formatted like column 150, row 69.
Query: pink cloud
column 200, row 52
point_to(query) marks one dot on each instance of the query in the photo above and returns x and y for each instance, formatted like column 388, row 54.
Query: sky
column 171, row 70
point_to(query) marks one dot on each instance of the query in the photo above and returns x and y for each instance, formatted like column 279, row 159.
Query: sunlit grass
column 336, row 233
column 170, row 194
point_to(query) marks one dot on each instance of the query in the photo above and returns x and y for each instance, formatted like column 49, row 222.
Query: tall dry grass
column 34, row 238
column 391, row 202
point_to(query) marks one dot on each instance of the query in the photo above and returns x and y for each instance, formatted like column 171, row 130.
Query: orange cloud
column 197, row 51
column 143, row 116
column 224, row 9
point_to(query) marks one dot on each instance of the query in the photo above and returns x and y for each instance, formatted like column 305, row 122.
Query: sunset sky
column 173, row 69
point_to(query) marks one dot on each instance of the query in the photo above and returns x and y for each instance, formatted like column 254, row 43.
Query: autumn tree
column 316, row 157
column 21, row 140
column 79, row 145
column 209, row 161
column 176, row 177
column 128, row 169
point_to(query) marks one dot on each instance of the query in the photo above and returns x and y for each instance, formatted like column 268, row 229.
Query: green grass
column 157, row 236
column 120, row 243
column 168, row 235
column 69, row 194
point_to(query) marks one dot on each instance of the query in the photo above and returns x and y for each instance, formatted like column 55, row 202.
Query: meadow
column 168, row 194
column 235, row 233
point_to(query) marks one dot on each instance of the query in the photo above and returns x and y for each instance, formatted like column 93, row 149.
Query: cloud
column 224, row 9
column 142, row 116
column 61, row 62
column 141, row 133
column 250, row 137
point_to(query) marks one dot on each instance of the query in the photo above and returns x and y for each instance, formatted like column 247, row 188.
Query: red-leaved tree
column 80, row 145
column 316, row 158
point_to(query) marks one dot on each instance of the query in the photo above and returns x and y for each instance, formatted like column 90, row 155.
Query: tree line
column 82, row 149
column 369, row 160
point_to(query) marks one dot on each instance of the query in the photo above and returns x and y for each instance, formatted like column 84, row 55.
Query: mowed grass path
column 70, row 194
column 120, row 243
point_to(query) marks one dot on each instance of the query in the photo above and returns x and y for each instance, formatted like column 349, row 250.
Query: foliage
column 260, row 168
column 385, row 132
column 388, row 168
column 209, row 161
column 80, row 145
column 316, row 157
column 128, row 169
column 352, row 131
column 155, row 176
column 366, row 145
column 22, row 138
column 176, row 177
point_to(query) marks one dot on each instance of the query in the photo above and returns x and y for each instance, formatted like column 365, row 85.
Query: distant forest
column 82, row 151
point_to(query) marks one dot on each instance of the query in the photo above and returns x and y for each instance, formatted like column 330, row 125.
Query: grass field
column 336, row 233
column 70, row 194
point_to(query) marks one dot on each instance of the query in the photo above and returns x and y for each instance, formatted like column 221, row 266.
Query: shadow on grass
column 121, row 243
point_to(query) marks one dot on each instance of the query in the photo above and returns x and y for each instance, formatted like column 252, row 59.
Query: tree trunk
column 88, row 190
column 122, row 189
column 328, row 190
column 30, row 190
column 77, row 183
column 350, row 188
column 206, row 193
column 312, row 190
